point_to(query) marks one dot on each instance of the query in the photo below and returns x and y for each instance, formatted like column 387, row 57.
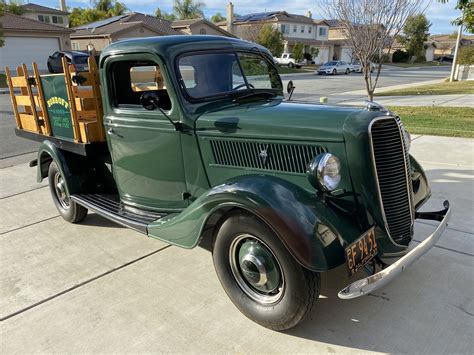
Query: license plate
column 361, row 251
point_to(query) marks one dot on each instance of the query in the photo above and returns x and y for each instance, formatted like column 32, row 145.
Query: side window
column 130, row 79
column 238, row 81
column 256, row 71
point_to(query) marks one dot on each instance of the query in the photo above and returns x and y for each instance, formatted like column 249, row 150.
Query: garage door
column 26, row 50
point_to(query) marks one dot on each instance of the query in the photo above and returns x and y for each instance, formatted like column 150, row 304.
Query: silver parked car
column 334, row 67
column 357, row 67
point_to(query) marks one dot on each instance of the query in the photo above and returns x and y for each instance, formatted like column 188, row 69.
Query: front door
column 145, row 147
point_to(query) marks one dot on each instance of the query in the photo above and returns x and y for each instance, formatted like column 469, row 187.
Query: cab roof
column 170, row 46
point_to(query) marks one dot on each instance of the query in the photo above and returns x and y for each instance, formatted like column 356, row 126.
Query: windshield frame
column 227, row 94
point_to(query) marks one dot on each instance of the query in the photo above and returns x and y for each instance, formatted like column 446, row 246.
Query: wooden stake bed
column 63, row 108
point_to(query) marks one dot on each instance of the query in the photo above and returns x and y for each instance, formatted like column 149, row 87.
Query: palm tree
column 188, row 9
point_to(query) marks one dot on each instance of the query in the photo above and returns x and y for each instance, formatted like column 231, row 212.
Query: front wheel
column 291, row 65
column 260, row 276
column 334, row 72
column 347, row 71
column 69, row 210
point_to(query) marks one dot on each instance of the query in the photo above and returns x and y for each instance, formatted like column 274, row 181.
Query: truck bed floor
column 111, row 208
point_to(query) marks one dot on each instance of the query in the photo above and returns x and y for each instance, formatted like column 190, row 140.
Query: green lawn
column 286, row 70
column 437, row 121
column 3, row 81
column 416, row 65
column 445, row 88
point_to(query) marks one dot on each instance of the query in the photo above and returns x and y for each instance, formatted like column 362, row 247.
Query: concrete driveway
column 98, row 287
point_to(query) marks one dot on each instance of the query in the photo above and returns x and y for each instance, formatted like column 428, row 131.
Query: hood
column 278, row 120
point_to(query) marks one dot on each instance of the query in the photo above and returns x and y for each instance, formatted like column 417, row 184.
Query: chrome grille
column 392, row 165
column 291, row 158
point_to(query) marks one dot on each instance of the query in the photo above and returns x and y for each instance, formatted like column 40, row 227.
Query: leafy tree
column 298, row 52
column 101, row 9
column 314, row 52
column 13, row 7
column 2, row 41
column 164, row 15
column 217, row 17
column 272, row 39
column 188, row 9
column 414, row 34
column 467, row 14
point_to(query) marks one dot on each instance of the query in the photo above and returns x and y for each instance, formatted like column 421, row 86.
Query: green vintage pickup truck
column 193, row 139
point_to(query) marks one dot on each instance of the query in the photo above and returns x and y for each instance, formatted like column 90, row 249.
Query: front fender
column 298, row 218
column 421, row 185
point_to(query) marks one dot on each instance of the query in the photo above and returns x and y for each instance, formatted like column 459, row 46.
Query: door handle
column 111, row 131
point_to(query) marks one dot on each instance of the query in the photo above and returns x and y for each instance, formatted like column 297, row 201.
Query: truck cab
column 196, row 140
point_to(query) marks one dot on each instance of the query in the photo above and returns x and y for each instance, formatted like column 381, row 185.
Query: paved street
column 99, row 287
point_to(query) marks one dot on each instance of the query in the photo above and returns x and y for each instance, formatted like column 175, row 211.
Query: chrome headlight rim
column 316, row 172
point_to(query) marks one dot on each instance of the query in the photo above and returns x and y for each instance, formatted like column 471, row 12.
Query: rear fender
column 298, row 218
column 73, row 167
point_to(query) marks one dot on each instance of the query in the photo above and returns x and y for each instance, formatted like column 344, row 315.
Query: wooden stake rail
column 84, row 102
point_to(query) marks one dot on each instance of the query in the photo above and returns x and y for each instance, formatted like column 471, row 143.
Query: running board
column 110, row 207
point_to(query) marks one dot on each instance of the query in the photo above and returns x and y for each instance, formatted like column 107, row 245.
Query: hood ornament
column 264, row 154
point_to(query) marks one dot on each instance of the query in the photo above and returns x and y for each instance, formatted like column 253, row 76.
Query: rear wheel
column 260, row 276
column 291, row 65
column 347, row 71
column 69, row 210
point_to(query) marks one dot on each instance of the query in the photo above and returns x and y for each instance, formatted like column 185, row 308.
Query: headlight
column 324, row 172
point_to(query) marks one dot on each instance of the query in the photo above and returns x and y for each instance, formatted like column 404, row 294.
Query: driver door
column 145, row 147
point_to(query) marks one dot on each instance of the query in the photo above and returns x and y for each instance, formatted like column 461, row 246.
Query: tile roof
column 181, row 24
column 117, row 24
column 17, row 23
column 273, row 16
column 39, row 8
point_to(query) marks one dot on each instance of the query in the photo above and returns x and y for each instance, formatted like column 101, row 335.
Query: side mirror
column 149, row 100
column 290, row 87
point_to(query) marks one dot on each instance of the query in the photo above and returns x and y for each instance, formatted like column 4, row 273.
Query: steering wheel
column 243, row 85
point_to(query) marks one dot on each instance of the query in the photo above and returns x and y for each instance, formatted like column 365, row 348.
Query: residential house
column 96, row 36
column 441, row 45
column 28, row 40
column 46, row 14
column 342, row 49
column 199, row 26
column 295, row 29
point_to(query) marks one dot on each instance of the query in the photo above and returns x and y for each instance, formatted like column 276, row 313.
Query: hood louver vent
column 291, row 158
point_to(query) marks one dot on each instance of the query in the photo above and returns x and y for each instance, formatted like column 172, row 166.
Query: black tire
column 291, row 65
column 69, row 210
column 347, row 71
column 299, row 287
column 50, row 69
column 334, row 72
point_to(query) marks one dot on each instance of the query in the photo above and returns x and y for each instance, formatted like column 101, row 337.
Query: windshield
column 212, row 74
column 330, row 64
column 81, row 59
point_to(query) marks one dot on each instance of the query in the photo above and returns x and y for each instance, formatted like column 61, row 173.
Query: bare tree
column 370, row 27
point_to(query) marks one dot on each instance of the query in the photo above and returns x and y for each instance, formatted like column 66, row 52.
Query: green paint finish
column 55, row 94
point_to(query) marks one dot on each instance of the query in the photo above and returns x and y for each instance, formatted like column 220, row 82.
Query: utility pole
column 456, row 50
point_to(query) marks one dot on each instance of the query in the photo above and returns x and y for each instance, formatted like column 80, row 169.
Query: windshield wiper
column 254, row 94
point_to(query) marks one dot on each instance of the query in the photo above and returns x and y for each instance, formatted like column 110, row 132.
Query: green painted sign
column 55, row 94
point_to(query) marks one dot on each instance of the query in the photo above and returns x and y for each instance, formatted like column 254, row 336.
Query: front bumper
column 374, row 282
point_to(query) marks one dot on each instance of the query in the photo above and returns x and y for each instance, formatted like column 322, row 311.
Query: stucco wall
column 98, row 43
column 34, row 16
column 134, row 33
column 196, row 30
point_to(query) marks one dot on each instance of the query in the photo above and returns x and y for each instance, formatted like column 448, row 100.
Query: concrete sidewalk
column 98, row 287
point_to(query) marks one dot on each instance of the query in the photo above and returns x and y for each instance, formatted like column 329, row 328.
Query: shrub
column 377, row 58
column 420, row 59
column 466, row 55
column 400, row 56
column 307, row 56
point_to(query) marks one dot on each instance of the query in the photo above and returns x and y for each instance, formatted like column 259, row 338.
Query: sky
column 440, row 15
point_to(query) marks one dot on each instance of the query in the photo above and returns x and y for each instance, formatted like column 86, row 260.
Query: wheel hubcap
column 256, row 269
column 60, row 190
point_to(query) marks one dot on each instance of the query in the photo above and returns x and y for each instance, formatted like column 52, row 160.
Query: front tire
column 347, row 71
column 260, row 276
column 69, row 210
column 291, row 65
column 334, row 72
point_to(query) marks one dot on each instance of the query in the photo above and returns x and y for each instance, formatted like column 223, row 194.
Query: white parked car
column 287, row 59
column 334, row 67
column 357, row 67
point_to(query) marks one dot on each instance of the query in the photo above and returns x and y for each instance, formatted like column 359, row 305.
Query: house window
column 75, row 46
column 202, row 31
column 302, row 29
column 285, row 29
column 310, row 29
column 322, row 31
column 43, row 18
column 57, row 19
column 295, row 28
